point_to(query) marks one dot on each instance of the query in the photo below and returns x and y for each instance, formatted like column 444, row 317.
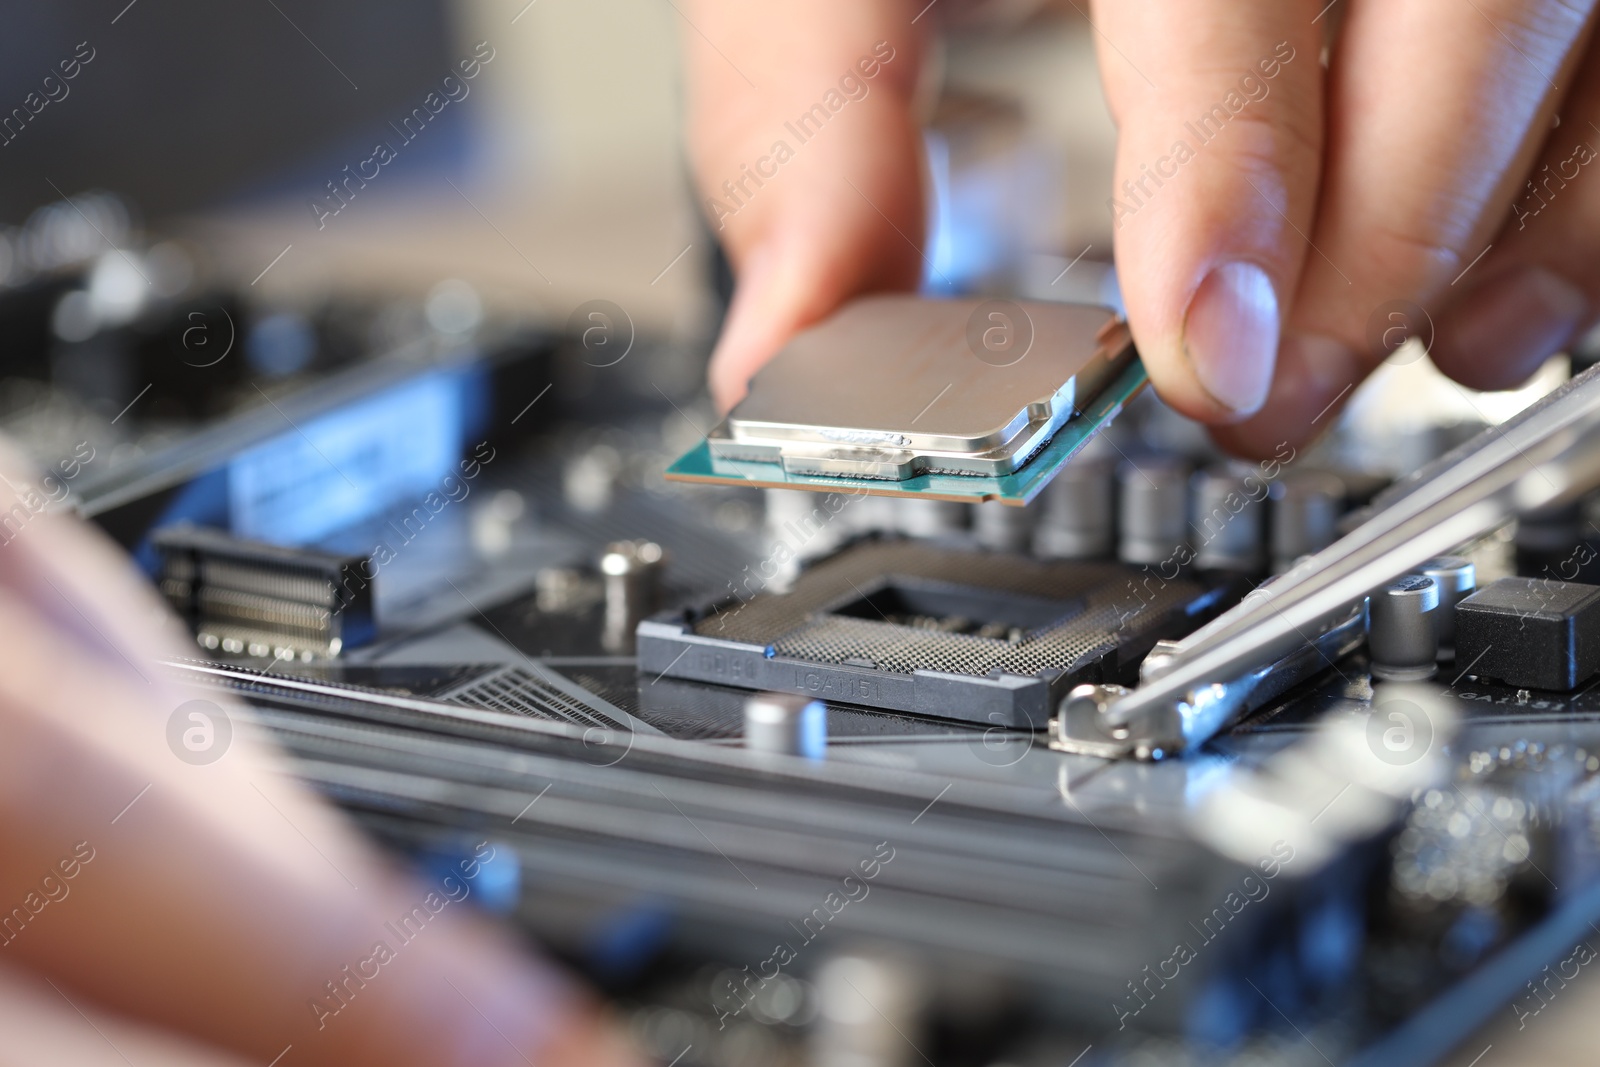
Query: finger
column 1426, row 146
column 1218, row 108
column 808, row 159
column 218, row 900
column 44, row 1025
column 1537, row 288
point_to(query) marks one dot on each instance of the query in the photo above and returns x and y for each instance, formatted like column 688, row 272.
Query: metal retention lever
column 1191, row 689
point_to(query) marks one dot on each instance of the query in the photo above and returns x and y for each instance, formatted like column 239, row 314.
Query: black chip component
column 932, row 630
column 1532, row 633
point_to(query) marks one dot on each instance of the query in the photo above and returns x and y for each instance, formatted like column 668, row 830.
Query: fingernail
column 1230, row 335
column 1498, row 334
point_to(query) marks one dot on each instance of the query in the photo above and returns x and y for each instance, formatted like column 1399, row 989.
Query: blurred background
column 205, row 185
column 560, row 176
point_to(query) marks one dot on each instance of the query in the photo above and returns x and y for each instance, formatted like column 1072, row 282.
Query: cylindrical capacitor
column 1456, row 579
column 632, row 574
column 1003, row 527
column 921, row 517
column 1304, row 517
column 1229, row 523
column 806, row 524
column 1403, row 629
column 786, row 724
column 869, row 514
column 1079, row 511
column 1153, row 510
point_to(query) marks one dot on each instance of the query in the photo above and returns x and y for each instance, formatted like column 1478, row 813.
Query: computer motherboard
column 778, row 765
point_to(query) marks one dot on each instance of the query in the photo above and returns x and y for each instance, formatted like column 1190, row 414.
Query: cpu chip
column 903, row 395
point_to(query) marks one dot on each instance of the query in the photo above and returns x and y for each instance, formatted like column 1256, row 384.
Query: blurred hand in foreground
column 197, row 913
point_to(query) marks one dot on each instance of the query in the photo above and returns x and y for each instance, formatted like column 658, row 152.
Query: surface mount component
column 952, row 399
column 1153, row 506
column 1080, row 510
column 631, row 571
column 1306, row 506
column 1403, row 629
column 786, row 724
column 1229, row 518
column 1531, row 632
column 952, row 633
column 1456, row 579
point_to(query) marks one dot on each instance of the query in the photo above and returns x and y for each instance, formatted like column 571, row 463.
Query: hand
column 215, row 901
column 1253, row 259
column 842, row 213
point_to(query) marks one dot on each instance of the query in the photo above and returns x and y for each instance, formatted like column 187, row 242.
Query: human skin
column 217, row 900
column 1252, row 277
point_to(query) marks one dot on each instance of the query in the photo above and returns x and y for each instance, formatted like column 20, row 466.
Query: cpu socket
column 946, row 632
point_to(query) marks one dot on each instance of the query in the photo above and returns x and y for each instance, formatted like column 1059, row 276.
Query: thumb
column 808, row 160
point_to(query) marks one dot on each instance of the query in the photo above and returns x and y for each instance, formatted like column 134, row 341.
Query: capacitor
column 869, row 514
column 1079, row 511
column 494, row 522
column 787, row 724
column 805, row 524
column 1003, row 527
column 1456, row 578
column 1153, row 510
column 872, row 1008
column 1304, row 515
column 1403, row 629
column 631, row 571
column 921, row 517
column 1229, row 525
